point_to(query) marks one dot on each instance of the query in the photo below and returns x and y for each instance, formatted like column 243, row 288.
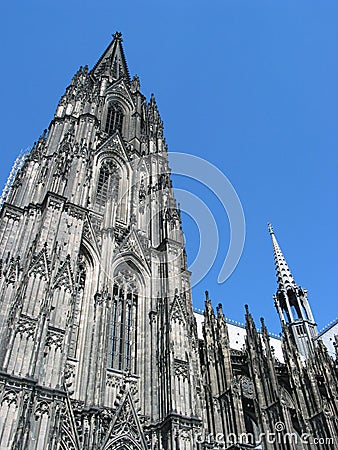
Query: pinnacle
column 152, row 101
column 220, row 311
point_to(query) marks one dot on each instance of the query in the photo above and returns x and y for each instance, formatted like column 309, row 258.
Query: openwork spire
column 283, row 273
column 113, row 61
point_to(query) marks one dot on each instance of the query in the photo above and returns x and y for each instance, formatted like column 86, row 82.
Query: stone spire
column 283, row 273
column 292, row 303
column 113, row 61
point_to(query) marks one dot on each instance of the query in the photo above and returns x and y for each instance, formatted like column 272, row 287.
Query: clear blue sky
column 250, row 85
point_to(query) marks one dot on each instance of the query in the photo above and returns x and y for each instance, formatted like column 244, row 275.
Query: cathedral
column 101, row 348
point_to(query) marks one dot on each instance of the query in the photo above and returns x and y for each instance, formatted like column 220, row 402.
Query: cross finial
column 270, row 228
column 117, row 36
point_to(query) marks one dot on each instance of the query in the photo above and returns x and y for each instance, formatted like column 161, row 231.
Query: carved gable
column 64, row 277
column 132, row 244
column 177, row 313
column 126, row 430
column 114, row 144
column 41, row 264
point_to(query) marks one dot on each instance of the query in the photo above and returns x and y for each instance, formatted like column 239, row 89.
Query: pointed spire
column 208, row 311
column 252, row 339
column 284, row 275
column 113, row 61
column 249, row 319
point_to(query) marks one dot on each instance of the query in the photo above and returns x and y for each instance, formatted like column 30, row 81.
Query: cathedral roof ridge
column 327, row 327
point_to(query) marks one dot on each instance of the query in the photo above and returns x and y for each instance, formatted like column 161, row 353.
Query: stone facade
column 99, row 342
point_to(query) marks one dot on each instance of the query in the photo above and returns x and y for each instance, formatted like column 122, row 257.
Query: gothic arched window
column 102, row 186
column 114, row 119
column 123, row 318
column 107, row 183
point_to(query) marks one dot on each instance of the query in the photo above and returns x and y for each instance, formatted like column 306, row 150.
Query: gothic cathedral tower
column 99, row 347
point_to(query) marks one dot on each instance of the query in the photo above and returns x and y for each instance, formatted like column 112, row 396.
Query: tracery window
column 114, row 119
column 107, row 183
column 125, row 296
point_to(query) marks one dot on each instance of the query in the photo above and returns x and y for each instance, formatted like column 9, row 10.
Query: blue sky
column 249, row 85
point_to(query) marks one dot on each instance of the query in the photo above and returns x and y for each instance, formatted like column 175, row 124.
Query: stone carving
column 12, row 213
column 127, row 279
column 38, row 150
column 142, row 191
column 43, row 172
column 40, row 264
column 26, row 325
column 247, row 387
column 135, row 84
column 236, row 386
column 10, row 397
column 286, row 399
column 54, row 338
column 127, row 425
column 41, row 408
column 181, row 368
column 163, row 182
column 102, row 297
column 13, row 270
column 69, row 374
column 176, row 310
column 55, row 204
column 75, row 212
column 64, row 276
column 94, row 224
column 114, row 381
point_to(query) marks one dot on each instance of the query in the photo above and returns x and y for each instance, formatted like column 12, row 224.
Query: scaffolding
column 18, row 163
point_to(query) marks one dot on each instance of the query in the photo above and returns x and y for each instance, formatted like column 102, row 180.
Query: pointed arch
column 126, row 288
column 131, row 248
column 124, row 443
column 118, row 109
column 114, row 118
column 126, row 432
column 129, row 290
column 107, row 184
column 87, row 264
column 135, row 263
column 112, row 179
column 120, row 92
